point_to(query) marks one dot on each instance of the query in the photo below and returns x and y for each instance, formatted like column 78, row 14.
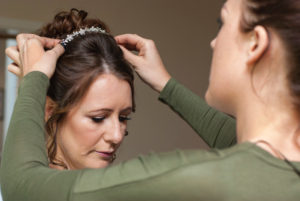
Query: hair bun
column 65, row 23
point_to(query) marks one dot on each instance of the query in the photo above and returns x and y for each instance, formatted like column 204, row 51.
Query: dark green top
column 240, row 172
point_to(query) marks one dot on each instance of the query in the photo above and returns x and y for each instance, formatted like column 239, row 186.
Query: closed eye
column 124, row 118
column 220, row 22
column 97, row 119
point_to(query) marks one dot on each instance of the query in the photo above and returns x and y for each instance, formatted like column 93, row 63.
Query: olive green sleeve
column 215, row 128
column 24, row 167
column 175, row 176
column 25, row 174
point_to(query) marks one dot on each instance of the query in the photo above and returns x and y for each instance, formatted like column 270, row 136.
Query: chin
column 96, row 165
column 218, row 106
column 208, row 98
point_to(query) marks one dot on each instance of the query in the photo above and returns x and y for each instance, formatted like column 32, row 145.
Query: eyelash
column 124, row 118
column 97, row 119
column 100, row 119
column 220, row 22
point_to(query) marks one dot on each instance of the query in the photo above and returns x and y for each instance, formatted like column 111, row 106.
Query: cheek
column 212, row 95
column 81, row 132
column 221, row 74
column 217, row 77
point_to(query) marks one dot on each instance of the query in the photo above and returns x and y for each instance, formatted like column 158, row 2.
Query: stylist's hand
column 30, row 55
column 147, row 63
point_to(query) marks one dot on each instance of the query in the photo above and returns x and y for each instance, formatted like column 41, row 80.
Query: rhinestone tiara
column 81, row 32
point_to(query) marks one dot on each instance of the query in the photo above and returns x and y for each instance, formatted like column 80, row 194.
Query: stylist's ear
column 259, row 43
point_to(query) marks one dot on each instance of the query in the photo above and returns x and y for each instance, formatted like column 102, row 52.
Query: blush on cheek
column 84, row 132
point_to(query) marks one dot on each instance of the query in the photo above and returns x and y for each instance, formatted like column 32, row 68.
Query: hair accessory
column 81, row 32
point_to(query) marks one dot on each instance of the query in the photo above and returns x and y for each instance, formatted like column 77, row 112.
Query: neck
column 279, row 126
column 59, row 161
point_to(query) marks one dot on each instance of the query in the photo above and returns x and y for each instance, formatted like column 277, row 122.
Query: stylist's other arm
column 147, row 63
column 30, row 55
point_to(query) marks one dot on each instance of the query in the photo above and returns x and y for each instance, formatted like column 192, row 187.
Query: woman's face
column 228, row 59
column 94, row 129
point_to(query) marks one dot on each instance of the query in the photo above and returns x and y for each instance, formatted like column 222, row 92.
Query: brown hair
column 85, row 58
column 283, row 17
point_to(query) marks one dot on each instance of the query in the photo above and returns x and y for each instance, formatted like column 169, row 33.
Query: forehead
column 107, row 91
column 233, row 8
column 232, row 4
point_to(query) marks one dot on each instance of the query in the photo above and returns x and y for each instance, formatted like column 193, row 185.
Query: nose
column 213, row 43
column 114, row 133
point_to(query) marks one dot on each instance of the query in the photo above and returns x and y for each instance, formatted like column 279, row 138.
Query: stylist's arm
column 147, row 63
column 30, row 55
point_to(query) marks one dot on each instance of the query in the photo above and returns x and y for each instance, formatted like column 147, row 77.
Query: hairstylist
column 260, row 72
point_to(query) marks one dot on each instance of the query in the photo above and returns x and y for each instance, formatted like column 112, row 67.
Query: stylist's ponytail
column 282, row 16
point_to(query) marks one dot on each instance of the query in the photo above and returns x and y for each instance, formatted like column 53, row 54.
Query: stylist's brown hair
column 283, row 17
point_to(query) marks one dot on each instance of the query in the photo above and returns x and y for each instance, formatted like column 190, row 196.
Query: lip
column 105, row 154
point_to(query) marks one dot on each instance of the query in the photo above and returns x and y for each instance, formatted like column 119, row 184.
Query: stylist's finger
column 124, row 40
column 13, row 53
column 46, row 42
column 55, row 53
column 131, row 58
column 33, row 56
column 147, row 63
column 14, row 69
column 31, row 52
column 145, row 47
column 48, row 61
column 21, row 39
column 131, row 41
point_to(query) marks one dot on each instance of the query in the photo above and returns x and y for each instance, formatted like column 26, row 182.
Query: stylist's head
column 90, row 95
column 256, row 56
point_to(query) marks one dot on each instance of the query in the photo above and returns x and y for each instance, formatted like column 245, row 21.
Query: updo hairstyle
column 85, row 58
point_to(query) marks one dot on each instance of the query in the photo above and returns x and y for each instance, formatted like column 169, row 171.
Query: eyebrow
column 128, row 109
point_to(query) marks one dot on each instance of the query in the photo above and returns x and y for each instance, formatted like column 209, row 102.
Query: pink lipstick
column 105, row 155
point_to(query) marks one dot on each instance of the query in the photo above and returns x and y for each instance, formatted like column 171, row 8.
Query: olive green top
column 236, row 173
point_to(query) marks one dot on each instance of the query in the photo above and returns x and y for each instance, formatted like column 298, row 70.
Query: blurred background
column 182, row 30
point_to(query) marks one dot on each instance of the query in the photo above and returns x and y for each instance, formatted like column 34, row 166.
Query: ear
column 259, row 43
column 50, row 105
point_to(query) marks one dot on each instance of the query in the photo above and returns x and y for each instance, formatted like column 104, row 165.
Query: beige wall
column 182, row 30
